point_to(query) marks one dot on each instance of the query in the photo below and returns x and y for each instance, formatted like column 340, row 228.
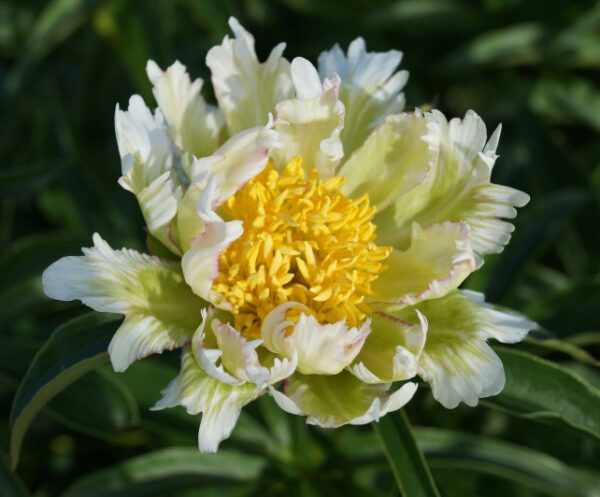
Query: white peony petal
column 332, row 401
column 320, row 348
column 194, row 126
column 147, row 166
column 461, row 175
column 160, row 310
column 394, row 159
column 392, row 350
column 246, row 89
column 219, row 403
column 437, row 261
column 310, row 124
column 370, row 90
column 200, row 263
column 456, row 360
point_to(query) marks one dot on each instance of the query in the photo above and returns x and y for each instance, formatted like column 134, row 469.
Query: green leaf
column 168, row 470
column 98, row 404
column 555, row 345
column 539, row 389
column 23, row 180
column 10, row 484
column 451, row 450
column 72, row 350
column 405, row 457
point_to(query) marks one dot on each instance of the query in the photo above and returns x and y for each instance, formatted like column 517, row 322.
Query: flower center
column 303, row 241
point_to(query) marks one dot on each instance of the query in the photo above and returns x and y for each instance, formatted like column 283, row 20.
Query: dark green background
column 64, row 64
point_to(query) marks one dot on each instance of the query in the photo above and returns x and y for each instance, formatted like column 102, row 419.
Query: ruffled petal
column 219, row 403
column 246, row 89
column 456, row 360
column 438, row 260
column 310, row 124
column 461, row 177
column 332, row 401
column 393, row 160
column 321, row 348
column 371, row 87
column 200, row 263
column 241, row 158
column 147, row 167
column 194, row 126
column 160, row 310
column 392, row 350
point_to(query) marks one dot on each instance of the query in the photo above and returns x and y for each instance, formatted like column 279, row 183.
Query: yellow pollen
column 303, row 241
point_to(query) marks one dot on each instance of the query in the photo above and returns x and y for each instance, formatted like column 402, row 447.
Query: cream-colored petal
column 147, row 163
column 332, row 401
column 194, row 126
column 310, row 124
column 392, row 350
column 393, row 160
column 371, row 87
column 161, row 312
column 246, row 89
column 321, row 348
column 457, row 189
column 438, row 260
column 456, row 360
column 219, row 403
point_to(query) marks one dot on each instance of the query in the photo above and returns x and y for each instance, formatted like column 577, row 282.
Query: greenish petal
column 456, row 360
column 161, row 312
column 393, row 160
column 331, row 401
column 458, row 188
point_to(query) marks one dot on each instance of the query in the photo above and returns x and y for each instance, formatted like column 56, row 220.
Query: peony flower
column 317, row 236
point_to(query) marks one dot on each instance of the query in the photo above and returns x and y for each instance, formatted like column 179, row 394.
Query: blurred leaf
column 525, row 466
column 71, row 351
column 21, row 298
column 404, row 456
column 23, row 180
column 98, row 404
column 168, row 470
column 553, row 344
column 571, row 101
column 30, row 255
column 10, row 484
column 539, row 389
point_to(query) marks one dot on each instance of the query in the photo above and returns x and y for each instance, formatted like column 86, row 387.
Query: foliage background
column 64, row 64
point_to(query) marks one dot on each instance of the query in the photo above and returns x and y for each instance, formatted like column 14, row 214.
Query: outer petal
column 371, row 89
column 438, row 260
column 147, row 166
column 160, row 310
column 247, row 90
column 321, row 348
column 394, row 159
column 310, row 124
column 219, row 403
column 456, row 360
column 194, row 126
column 458, row 188
column 331, row 401
column 392, row 350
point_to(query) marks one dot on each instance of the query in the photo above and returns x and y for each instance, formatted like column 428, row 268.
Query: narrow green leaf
column 555, row 345
column 98, row 404
column 72, row 350
column 536, row 388
column 10, row 484
column 168, row 470
column 453, row 450
column 405, row 457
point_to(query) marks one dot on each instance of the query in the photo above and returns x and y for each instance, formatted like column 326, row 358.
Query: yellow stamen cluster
column 303, row 241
